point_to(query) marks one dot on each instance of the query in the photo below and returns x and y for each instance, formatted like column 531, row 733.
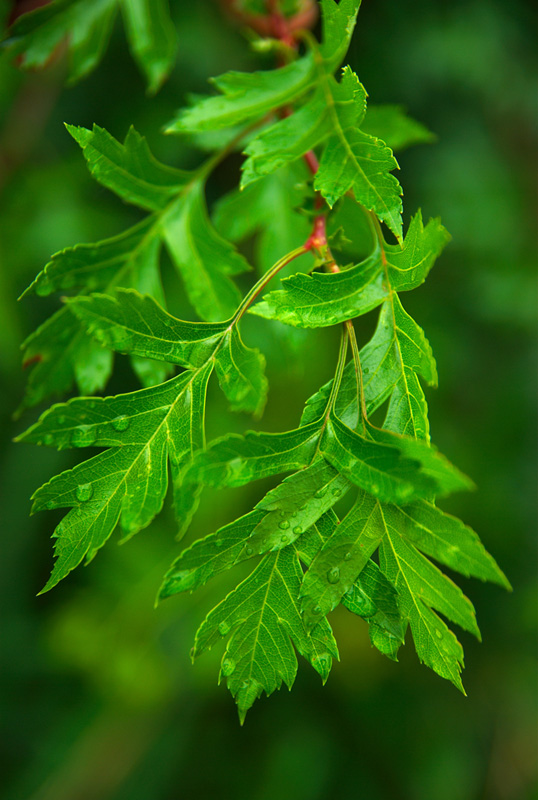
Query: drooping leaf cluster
column 84, row 28
column 382, row 559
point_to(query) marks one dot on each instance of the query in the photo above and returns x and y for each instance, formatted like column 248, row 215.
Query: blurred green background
column 99, row 698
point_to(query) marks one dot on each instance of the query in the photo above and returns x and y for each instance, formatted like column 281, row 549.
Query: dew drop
column 284, row 539
column 84, row 492
column 303, row 508
column 316, row 610
column 366, row 370
column 83, row 436
column 228, row 666
column 224, row 627
column 333, row 575
column 121, row 423
column 347, row 557
column 337, row 492
column 249, row 551
column 297, row 530
column 320, row 492
column 284, row 525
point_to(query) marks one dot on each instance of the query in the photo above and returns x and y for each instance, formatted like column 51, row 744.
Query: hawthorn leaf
column 152, row 38
column 203, row 258
column 86, row 27
column 374, row 599
column 129, row 170
column 323, row 299
column 295, row 505
column 130, row 323
column 235, row 460
column 241, row 214
column 263, row 619
column 342, row 558
column 59, row 354
column 127, row 482
column 246, row 97
column 391, row 362
column 446, row 539
column 293, row 136
column 207, row 557
column 391, row 467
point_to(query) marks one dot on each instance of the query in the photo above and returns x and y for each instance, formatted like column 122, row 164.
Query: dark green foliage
column 375, row 560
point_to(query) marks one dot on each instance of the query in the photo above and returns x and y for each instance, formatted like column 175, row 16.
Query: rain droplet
column 284, row 525
column 84, row 492
column 316, row 610
column 320, row 492
column 297, row 530
column 121, row 423
column 249, row 551
column 83, row 436
column 333, row 575
column 284, row 539
column 224, row 627
column 337, row 492
column 228, row 666
column 366, row 370
column 347, row 557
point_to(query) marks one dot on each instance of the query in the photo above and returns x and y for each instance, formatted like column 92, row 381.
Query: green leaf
column 130, row 323
column 447, row 540
column 127, row 483
column 152, row 38
column 86, row 27
column 202, row 257
column 391, row 467
column 323, row 299
column 391, row 124
column 435, row 643
column 295, row 505
column 293, row 136
column 97, row 266
column 263, row 619
column 235, row 460
column 391, row 362
column 129, row 169
column 374, row 599
column 241, row 214
column 342, row 558
column 246, row 97
column 59, row 354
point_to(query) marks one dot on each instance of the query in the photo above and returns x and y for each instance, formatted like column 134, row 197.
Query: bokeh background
column 99, row 698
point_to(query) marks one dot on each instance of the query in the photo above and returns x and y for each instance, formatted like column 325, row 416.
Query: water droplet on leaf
column 83, row 436
column 333, row 575
column 297, row 530
column 84, row 492
column 320, row 492
column 228, row 666
column 121, row 423
column 224, row 627
column 284, row 525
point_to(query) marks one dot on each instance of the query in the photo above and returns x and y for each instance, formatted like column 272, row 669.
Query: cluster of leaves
column 85, row 29
column 376, row 560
